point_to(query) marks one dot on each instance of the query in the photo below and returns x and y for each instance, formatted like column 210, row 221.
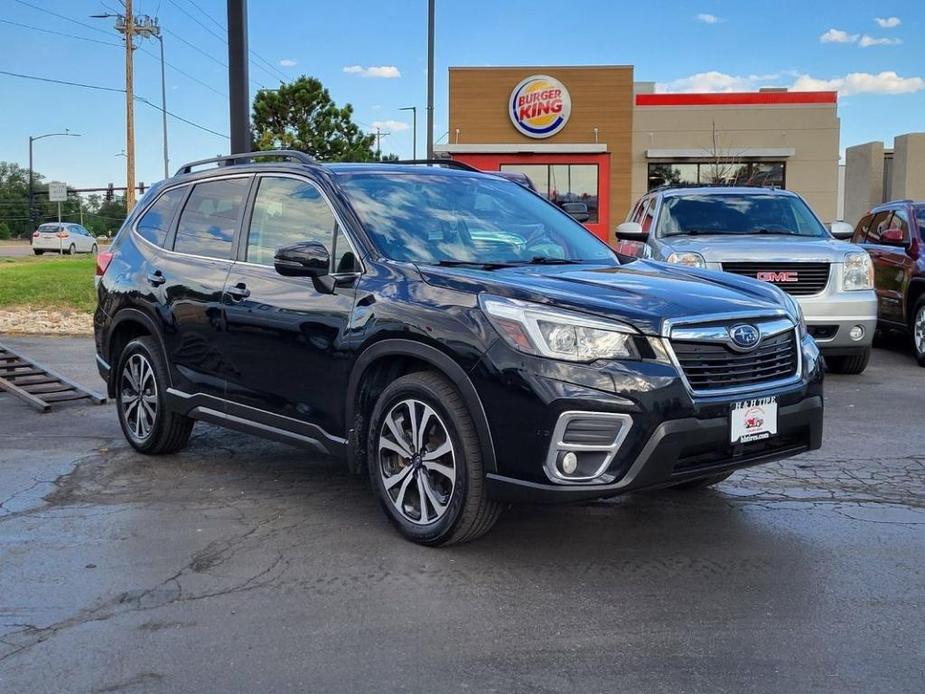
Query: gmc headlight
column 857, row 272
column 536, row 329
column 690, row 259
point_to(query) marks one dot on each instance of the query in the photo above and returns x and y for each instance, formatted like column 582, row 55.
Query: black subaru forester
column 454, row 334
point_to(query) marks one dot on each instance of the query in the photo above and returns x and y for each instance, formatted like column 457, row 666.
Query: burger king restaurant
column 592, row 140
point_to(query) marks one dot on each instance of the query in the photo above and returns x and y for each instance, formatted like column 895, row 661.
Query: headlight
column 536, row 329
column 689, row 259
column 858, row 272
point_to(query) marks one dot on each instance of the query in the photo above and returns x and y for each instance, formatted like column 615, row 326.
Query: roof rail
column 247, row 157
column 681, row 186
column 448, row 163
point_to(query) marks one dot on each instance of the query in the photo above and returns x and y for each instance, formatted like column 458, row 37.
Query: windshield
column 737, row 214
column 436, row 218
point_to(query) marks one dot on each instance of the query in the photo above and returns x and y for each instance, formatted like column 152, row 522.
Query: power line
column 61, row 16
column 112, row 89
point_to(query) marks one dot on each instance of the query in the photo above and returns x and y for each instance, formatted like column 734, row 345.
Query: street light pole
column 33, row 138
column 430, row 79
column 414, row 128
column 164, row 104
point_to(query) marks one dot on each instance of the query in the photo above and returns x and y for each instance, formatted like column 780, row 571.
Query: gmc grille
column 799, row 279
column 714, row 366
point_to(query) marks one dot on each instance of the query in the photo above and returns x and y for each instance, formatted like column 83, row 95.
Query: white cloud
column 288, row 62
column 709, row 18
column 888, row 22
column 867, row 41
column 394, row 126
column 383, row 71
column 838, row 36
column 714, row 81
column 887, row 82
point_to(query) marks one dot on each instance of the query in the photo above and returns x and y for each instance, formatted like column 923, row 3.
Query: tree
column 301, row 115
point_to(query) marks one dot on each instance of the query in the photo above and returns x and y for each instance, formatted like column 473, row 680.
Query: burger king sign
column 540, row 106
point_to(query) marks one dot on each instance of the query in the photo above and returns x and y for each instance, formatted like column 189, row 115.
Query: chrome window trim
column 556, row 444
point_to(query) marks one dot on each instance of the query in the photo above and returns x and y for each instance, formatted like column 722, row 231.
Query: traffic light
column 109, row 194
column 141, row 187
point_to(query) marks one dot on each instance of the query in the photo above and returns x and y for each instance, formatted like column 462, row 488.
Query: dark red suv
column 894, row 236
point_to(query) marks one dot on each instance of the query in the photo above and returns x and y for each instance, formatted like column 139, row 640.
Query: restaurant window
column 573, row 187
column 754, row 173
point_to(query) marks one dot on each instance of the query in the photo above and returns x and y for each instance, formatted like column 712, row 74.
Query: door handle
column 238, row 291
column 156, row 278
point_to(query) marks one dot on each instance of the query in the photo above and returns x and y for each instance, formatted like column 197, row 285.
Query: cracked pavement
column 246, row 565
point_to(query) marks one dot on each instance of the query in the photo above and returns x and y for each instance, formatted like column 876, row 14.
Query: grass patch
column 48, row 282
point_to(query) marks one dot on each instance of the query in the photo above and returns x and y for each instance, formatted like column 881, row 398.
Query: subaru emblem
column 745, row 337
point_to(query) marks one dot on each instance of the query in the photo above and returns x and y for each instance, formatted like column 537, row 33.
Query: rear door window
column 901, row 222
column 210, row 218
column 155, row 223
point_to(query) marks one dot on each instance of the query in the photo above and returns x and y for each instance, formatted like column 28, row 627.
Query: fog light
column 856, row 333
column 569, row 463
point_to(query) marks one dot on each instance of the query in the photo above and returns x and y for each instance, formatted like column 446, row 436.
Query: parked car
column 518, row 177
column 771, row 235
column 348, row 308
column 893, row 235
column 63, row 238
column 578, row 210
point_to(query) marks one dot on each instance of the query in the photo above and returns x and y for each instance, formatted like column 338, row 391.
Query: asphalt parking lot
column 245, row 565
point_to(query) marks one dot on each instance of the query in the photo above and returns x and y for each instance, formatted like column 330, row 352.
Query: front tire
column 93, row 249
column 918, row 332
column 425, row 462
column 140, row 388
column 38, row 252
column 850, row 364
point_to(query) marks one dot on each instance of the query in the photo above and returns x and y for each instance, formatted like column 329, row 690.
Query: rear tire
column 918, row 332
column 141, row 387
column 850, row 364
column 425, row 462
column 38, row 252
column 72, row 250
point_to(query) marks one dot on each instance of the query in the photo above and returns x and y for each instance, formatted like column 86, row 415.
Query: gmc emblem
column 777, row 277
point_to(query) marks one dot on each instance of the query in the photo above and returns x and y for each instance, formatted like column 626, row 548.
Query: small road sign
column 57, row 191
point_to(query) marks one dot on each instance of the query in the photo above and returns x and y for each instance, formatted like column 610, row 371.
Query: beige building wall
column 908, row 175
column 809, row 131
column 863, row 179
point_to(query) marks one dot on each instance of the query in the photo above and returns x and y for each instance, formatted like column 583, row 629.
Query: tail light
column 35, row 234
column 102, row 262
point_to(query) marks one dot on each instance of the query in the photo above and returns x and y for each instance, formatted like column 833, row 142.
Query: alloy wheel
column 417, row 461
column 138, row 396
column 918, row 330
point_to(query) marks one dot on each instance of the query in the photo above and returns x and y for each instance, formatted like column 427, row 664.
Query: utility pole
column 379, row 136
column 238, row 97
column 430, row 79
column 145, row 27
column 414, row 129
column 129, row 32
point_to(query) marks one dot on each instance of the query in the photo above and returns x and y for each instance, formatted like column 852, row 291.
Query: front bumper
column 674, row 436
column 831, row 316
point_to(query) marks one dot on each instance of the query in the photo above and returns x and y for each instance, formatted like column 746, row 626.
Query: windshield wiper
column 546, row 260
column 766, row 230
column 488, row 265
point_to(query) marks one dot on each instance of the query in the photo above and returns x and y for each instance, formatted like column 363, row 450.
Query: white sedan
column 63, row 238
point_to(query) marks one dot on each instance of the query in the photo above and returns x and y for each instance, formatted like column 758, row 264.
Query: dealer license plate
column 753, row 420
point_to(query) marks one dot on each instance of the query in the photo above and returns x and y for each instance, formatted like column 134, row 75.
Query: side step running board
column 38, row 385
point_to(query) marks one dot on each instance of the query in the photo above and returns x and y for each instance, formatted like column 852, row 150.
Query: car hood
column 642, row 293
column 720, row 248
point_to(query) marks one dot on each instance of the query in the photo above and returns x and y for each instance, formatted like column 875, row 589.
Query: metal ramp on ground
column 38, row 385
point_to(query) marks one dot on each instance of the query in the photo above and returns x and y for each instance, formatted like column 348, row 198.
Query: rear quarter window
column 155, row 222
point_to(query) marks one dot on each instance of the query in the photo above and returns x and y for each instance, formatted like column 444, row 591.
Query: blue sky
column 372, row 54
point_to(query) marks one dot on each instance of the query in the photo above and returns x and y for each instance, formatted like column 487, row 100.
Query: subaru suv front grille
column 712, row 361
column 798, row 279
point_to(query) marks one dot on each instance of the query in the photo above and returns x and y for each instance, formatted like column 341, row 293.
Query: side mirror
column 631, row 231
column 841, row 230
column 892, row 237
column 306, row 259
